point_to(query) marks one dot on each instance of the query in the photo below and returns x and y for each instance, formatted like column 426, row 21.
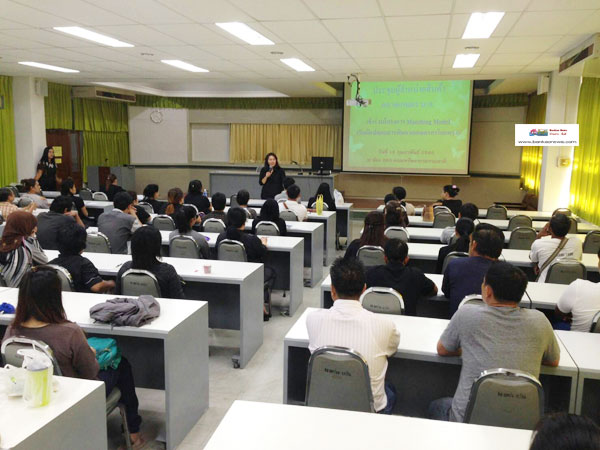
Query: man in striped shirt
column 347, row 324
column 7, row 206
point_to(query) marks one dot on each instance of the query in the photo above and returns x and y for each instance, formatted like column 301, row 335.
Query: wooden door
column 69, row 161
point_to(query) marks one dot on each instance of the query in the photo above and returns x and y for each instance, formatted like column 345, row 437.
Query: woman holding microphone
column 271, row 177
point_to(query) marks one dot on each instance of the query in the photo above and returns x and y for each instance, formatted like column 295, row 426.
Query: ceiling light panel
column 245, row 33
column 183, row 65
column 297, row 64
column 465, row 60
column 93, row 36
column 482, row 25
column 48, row 67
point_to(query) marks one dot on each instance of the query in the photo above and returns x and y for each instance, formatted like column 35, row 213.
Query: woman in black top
column 111, row 187
column 196, row 197
column 450, row 191
column 175, row 197
column 151, row 197
column 140, row 212
column 464, row 228
column 270, row 213
column 373, row 234
column 326, row 193
column 271, row 177
column 46, row 171
column 68, row 188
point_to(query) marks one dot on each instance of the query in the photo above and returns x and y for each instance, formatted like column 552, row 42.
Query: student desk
column 234, row 291
column 74, row 418
column 535, row 215
column 419, row 374
column 303, row 427
column 169, row 353
column 582, row 227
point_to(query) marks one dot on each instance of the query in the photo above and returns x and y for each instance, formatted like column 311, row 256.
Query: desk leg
column 316, row 257
column 296, row 277
column 330, row 240
column 251, row 317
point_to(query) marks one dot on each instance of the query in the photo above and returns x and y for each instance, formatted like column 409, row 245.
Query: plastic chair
column 441, row 209
column 66, row 280
column 233, row 201
column 325, row 206
column 99, row 196
column 565, row 211
column 382, row 300
column 136, row 282
column 231, row 250
column 595, row 328
column 267, row 228
column 453, row 255
column 213, row 225
column 397, row 233
column 86, row 194
column 506, row 398
column 338, row 378
column 591, row 244
column 163, row 222
column 565, row 271
column 183, row 246
column 288, row 216
column 24, row 201
column 444, row 219
column 192, row 206
column 519, row 222
column 521, row 238
column 473, row 299
column 146, row 207
column 97, row 243
column 371, row 255
column 573, row 227
column 497, row 212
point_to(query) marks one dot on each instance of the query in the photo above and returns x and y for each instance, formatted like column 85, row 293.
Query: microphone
column 299, row 166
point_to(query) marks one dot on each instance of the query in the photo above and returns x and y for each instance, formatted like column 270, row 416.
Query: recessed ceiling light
column 48, row 67
column 183, row 65
column 297, row 64
column 245, row 33
column 482, row 25
column 465, row 60
column 93, row 36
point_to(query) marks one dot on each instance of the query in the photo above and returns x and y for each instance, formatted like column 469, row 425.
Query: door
column 67, row 150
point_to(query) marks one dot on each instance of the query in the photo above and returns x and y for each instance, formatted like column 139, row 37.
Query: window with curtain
column 531, row 157
column 8, row 152
column 585, row 179
column 58, row 108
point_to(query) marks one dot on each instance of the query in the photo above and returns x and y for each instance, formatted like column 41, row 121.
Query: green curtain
column 241, row 103
column 58, row 107
column 585, row 179
column 100, row 115
column 8, row 150
column 501, row 100
column 531, row 157
column 104, row 149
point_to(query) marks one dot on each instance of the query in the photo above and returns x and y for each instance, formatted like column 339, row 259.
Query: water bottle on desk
column 205, row 193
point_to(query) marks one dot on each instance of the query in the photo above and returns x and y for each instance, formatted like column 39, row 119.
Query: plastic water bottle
column 38, row 384
column 205, row 193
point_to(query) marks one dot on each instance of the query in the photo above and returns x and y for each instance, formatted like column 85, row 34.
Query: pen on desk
column 119, row 265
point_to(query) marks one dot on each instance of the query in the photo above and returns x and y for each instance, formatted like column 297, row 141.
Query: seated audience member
column 111, row 187
column 175, row 199
column 196, row 197
column 463, row 276
column 562, row 431
column 373, row 234
column 219, row 201
column 325, row 191
column 120, row 223
column 243, row 197
column 410, row 282
column 185, row 218
column 69, row 189
column 449, row 193
column 544, row 250
column 7, row 197
column 256, row 250
column 294, row 203
column 269, row 212
column 151, row 194
column 50, row 223
column 467, row 211
column 145, row 255
column 497, row 334
column 140, row 212
column 395, row 215
column 287, row 182
column 40, row 315
column 33, row 191
column 348, row 324
column 19, row 247
column 389, row 198
column 400, row 194
column 462, row 232
column 578, row 304
column 71, row 242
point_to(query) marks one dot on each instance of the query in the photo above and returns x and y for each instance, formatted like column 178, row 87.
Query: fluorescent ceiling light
column 464, row 61
column 297, row 64
column 245, row 33
column 183, row 65
column 93, row 36
column 482, row 25
column 48, row 67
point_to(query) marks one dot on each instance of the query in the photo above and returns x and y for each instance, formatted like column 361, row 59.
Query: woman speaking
column 271, row 177
column 46, row 171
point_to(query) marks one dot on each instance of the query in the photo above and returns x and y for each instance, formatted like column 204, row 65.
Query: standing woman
column 46, row 171
column 271, row 177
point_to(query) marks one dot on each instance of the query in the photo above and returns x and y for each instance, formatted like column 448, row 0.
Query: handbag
column 108, row 354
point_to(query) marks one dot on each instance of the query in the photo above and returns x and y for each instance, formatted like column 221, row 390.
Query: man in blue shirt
column 464, row 276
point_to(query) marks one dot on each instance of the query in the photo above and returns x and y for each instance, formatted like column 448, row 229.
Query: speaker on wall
column 543, row 84
column 41, row 88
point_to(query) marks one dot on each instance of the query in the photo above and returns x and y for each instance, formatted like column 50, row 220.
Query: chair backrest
column 382, row 300
column 371, row 255
column 14, row 190
column 66, row 280
column 444, row 219
column 325, row 206
column 264, row 227
column 397, row 233
column 192, row 206
column 573, row 227
column 453, row 255
column 595, row 328
column 136, row 282
column 213, row 225
column 99, row 196
column 521, row 238
column 24, row 201
column 86, row 194
column 288, row 216
column 183, row 247
column 565, row 211
column 498, row 212
column 591, row 244
column 506, row 398
column 2, row 281
column 97, row 243
column 565, row 271
column 12, row 345
column 231, row 250
column 233, row 201
column 441, row 209
column 473, row 299
column 163, row 222
column 519, row 221
column 338, row 378
column 146, row 207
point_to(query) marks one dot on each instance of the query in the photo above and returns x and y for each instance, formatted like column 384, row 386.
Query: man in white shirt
column 294, row 203
column 347, row 324
column 548, row 240
column 287, row 182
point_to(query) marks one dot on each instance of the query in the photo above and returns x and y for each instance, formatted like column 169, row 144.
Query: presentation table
column 234, row 291
column 169, row 353
column 303, row 427
column 419, row 374
column 582, row 227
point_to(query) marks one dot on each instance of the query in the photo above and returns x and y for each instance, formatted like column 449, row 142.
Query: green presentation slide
column 410, row 127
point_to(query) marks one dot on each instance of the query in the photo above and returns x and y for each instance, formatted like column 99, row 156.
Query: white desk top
column 583, row 348
column 582, row 227
column 311, row 215
column 258, row 203
column 294, row 226
column 20, row 422
column 434, row 234
column 301, row 428
column 539, row 215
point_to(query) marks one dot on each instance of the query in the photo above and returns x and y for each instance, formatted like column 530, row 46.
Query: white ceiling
column 380, row 39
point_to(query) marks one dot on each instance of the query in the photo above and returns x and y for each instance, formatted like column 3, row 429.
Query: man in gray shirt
column 497, row 334
column 120, row 223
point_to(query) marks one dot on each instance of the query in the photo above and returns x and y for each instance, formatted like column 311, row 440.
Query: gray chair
column 565, row 211
column 86, row 194
column 382, row 300
column 288, row 216
column 505, row 398
column 473, row 299
column 591, row 244
column 595, row 328
column 213, row 225
column 397, row 233
column 231, row 250
column 233, row 201
column 453, row 255
column 99, row 196
column 267, row 228
column 371, row 255
column 521, row 238
column 565, row 271
column 146, row 207
column 519, row 221
column 444, row 219
column 192, row 206
column 497, row 212
column 136, row 282
column 440, row 209
column 24, row 201
column 66, row 280
column 325, row 206
column 14, row 190
column 97, row 243
column 163, row 222
column 183, row 246
column 573, row 227
column 338, row 378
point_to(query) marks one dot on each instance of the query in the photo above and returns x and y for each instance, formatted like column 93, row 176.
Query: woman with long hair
column 373, row 234
column 269, row 212
column 175, row 198
column 111, row 187
column 460, row 242
column 325, row 191
column 46, row 170
column 395, row 215
column 271, row 177
column 185, row 218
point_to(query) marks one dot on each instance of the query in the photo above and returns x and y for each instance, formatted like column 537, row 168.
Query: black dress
column 199, row 201
column 453, row 205
column 274, row 184
column 112, row 190
column 48, row 179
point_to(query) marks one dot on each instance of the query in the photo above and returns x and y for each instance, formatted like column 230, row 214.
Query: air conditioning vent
column 104, row 93
column 583, row 60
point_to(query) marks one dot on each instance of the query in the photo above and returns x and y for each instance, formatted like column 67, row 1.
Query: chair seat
column 112, row 401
